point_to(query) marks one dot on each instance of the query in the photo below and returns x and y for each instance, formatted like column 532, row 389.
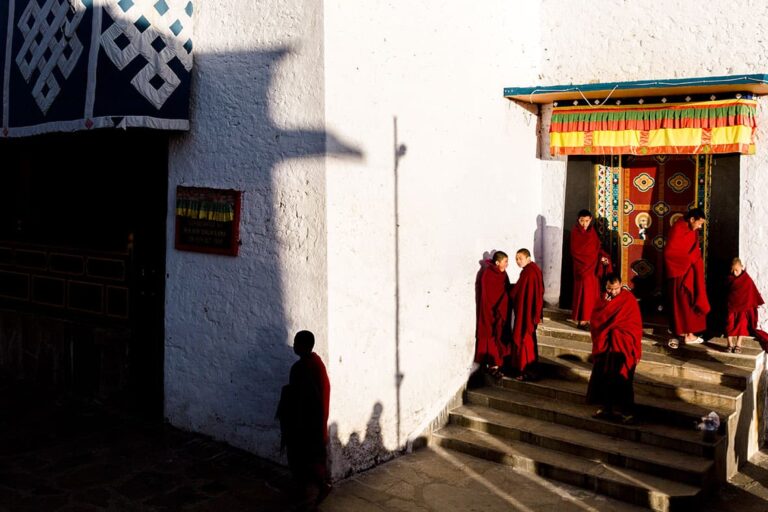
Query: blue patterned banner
column 73, row 65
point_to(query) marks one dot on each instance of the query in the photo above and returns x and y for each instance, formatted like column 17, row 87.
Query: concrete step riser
column 636, row 434
column 620, row 459
column 705, row 355
column 644, row 412
column 657, row 369
column 660, row 390
column 636, row 495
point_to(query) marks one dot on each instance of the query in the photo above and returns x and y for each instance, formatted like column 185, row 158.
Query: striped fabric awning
column 682, row 126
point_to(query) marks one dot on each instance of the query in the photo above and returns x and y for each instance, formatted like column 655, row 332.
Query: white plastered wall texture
column 257, row 126
column 425, row 82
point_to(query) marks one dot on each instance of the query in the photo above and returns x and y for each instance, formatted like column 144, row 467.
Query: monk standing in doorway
column 527, row 297
column 743, row 301
column 493, row 314
column 590, row 264
column 687, row 292
column 617, row 333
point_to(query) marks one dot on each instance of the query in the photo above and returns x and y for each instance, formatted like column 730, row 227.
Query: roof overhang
column 755, row 84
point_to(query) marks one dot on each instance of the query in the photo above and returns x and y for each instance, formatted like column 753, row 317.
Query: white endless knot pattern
column 49, row 42
column 159, row 31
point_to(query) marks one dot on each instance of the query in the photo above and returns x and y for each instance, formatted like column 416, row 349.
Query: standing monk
column 590, row 263
column 686, row 289
column 527, row 297
column 492, row 314
column 303, row 415
column 617, row 331
column 743, row 301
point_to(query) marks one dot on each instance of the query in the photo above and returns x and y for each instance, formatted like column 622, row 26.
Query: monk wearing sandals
column 687, row 291
column 492, row 315
column 743, row 301
column 617, row 330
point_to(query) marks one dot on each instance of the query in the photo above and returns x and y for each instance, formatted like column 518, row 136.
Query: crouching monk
column 617, row 331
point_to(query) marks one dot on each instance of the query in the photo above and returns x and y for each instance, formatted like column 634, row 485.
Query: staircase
column 661, row 462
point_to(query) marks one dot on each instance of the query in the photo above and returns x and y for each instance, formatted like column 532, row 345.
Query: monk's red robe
column 687, row 290
column 586, row 252
column 743, row 301
column 492, row 316
column 303, row 414
column 527, row 297
column 617, row 327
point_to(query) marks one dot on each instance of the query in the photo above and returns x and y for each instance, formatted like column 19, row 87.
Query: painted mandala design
column 643, row 268
column 659, row 242
column 644, row 182
column 628, row 207
column 678, row 182
column 673, row 218
column 661, row 208
column 626, row 239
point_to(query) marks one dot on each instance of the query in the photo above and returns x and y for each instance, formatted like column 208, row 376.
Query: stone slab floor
column 66, row 455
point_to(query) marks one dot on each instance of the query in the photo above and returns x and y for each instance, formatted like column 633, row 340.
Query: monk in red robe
column 492, row 314
column 617, row 331
column 743, row 301
column 687, row 292
column 527, row 297
column 590, row 264
column 303, row 415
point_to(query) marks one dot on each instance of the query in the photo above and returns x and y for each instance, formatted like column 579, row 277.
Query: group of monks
column 608, row 310
column 507, row 344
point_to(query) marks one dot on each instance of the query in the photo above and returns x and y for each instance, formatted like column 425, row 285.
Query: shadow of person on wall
column 303, row 415
column 358, row 455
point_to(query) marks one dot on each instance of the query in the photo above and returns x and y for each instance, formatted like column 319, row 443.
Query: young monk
column 617, row 331
column 743, row 300
column 685, row 279
column 492, row 315
column 527, row 297
column 590, row 263
column 303, row 415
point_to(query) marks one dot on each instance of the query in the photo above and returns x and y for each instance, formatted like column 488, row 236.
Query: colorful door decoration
column 637, row 201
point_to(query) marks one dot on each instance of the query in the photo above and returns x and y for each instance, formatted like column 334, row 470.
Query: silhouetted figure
column 527, row 297
column 303, row 415
column 590, row 265
column 492, row 314
column 686, row 288
column 617, row 332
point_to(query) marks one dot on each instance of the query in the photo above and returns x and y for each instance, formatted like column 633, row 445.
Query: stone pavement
column 68, row 455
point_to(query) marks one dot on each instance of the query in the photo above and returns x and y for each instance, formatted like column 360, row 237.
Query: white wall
column 257, row 126
column 468, row 183
column 614, row 40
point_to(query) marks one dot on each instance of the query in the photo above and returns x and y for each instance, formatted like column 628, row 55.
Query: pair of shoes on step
column 674, row 344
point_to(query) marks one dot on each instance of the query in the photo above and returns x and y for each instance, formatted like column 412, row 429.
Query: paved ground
column 69, row 456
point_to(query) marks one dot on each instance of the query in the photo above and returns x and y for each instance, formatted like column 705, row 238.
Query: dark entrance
column 82, row 264
column 635, row 224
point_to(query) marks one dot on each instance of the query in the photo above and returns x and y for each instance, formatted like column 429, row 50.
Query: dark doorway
column 82, row 264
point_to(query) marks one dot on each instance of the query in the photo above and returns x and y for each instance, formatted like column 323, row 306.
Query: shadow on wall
column 358, row 454
column 245, row 333
column 545, row 241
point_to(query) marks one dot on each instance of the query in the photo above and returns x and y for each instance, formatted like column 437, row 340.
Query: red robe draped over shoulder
column 527, row 297
column 743, row 301
column 617, row 327
column 586, row 252
column 492, row 315
column 685, row 275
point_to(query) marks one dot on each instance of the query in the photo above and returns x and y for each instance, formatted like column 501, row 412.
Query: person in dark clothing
column 303, row 415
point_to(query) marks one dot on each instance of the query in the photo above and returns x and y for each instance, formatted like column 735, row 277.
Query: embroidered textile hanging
column 637, row 128
column 81, row 64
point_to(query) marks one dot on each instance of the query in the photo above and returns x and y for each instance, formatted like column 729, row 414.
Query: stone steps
column 662, row 462
column 635, row 487
column 659, row 365
column 707, row 394
column 579, row 415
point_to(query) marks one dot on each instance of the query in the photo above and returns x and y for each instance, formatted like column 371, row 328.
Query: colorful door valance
column 82, row 64
column 635, row 127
